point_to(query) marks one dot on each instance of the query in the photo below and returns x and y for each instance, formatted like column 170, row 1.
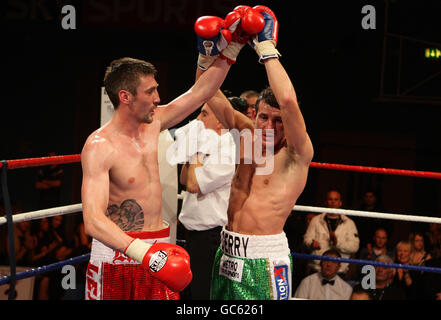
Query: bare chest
column 136, row 163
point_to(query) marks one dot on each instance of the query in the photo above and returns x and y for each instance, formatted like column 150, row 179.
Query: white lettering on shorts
column 231, row 268
column 234, row 245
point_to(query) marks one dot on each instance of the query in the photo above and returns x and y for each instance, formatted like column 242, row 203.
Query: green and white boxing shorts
column 252, row 267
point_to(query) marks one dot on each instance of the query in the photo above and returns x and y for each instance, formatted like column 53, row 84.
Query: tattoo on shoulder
column 128, row 216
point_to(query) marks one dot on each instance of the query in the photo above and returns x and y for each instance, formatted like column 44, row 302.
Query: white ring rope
column 45, row 213
column 74, row 208
column 369, row 214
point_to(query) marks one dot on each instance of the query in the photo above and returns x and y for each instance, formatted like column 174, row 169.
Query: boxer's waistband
column 102, row 253
column 254, row 246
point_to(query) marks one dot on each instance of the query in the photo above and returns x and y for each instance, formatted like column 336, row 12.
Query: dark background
column 356, row 111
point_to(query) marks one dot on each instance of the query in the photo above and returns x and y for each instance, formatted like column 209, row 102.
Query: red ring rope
column 400, row 172
column 33, row 162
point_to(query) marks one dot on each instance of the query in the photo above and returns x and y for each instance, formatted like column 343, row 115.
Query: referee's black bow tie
column 331, row 282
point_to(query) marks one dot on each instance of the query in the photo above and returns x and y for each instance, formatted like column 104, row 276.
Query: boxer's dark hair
column 124, row 74
column 267, row 95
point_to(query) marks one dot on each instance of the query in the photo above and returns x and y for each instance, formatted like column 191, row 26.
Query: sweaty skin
column 121, row 189
column 260, row 204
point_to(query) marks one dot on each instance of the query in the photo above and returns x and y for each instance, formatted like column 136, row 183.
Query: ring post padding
column 11, row 238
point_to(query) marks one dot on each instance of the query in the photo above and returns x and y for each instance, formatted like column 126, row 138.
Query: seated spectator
column 434, row 240
column 24, row 244
column 48, row 183
column 367, row 225
column 358, row 293
column 295, row 228
column 431, row 281
column 405, row 278
column 327, row 231
column 377, row 248
column 418, row 255
column 325, row 284
column 251, row 97
column 385, row 289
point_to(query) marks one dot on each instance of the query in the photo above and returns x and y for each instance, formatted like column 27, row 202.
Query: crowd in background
column 48, row 240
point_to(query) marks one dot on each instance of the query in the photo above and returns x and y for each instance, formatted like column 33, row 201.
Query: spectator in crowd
column 49, row 182
column 358, row 293
column 51, row 247
column 25, row 243
column 418, row 255
column 239, row 104
column 385, row 289
column 251, row 97
column 329, row 230
column 80, row 244
column 405, row 278
column 325, row 284
column 295, row 228
column 431, row 281
column 377, row 248
column 367, row 225
column 434, row 240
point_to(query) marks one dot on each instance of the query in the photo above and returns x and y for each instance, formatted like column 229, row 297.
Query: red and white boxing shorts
column 112, row 275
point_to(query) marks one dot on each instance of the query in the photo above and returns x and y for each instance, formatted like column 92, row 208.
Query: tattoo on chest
column 129, row 216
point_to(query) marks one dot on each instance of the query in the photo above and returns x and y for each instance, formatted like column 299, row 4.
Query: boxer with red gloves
column 131, row 257
column 253, row 220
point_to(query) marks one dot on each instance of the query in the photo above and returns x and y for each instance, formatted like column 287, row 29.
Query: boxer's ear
column 124, row 96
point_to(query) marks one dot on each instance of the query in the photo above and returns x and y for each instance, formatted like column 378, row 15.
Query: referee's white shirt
column 209, row 209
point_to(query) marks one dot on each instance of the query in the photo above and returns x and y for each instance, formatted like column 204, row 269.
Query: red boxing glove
column 243, row 22
column 264, row 43
column 212, row 38
column 167, row 262
column 252, row 21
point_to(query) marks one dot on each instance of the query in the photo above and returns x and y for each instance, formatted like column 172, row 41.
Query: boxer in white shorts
column 263, row 194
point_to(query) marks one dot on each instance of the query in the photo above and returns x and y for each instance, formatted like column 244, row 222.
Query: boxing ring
column 11, row 218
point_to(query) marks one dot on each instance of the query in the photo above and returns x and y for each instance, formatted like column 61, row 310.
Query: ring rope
column 33, row 162
column 74, row 208
column 366, row 262
column 400, row 172
column 86, row 257
column 42, row 161
column 369, row 214
column 44, row 213
column 47, row 268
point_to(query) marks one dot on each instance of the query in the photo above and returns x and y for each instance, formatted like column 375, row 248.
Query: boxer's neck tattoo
column 129, row 216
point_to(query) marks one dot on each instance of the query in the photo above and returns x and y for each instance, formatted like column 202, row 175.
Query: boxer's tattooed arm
column 129, row 216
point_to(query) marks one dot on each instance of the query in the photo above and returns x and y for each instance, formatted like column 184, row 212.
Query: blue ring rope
column 47, row 268
column 366, row 262
column 86, row 257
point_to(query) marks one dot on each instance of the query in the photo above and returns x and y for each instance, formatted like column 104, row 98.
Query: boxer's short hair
column 124, row 74
column 268, row 97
